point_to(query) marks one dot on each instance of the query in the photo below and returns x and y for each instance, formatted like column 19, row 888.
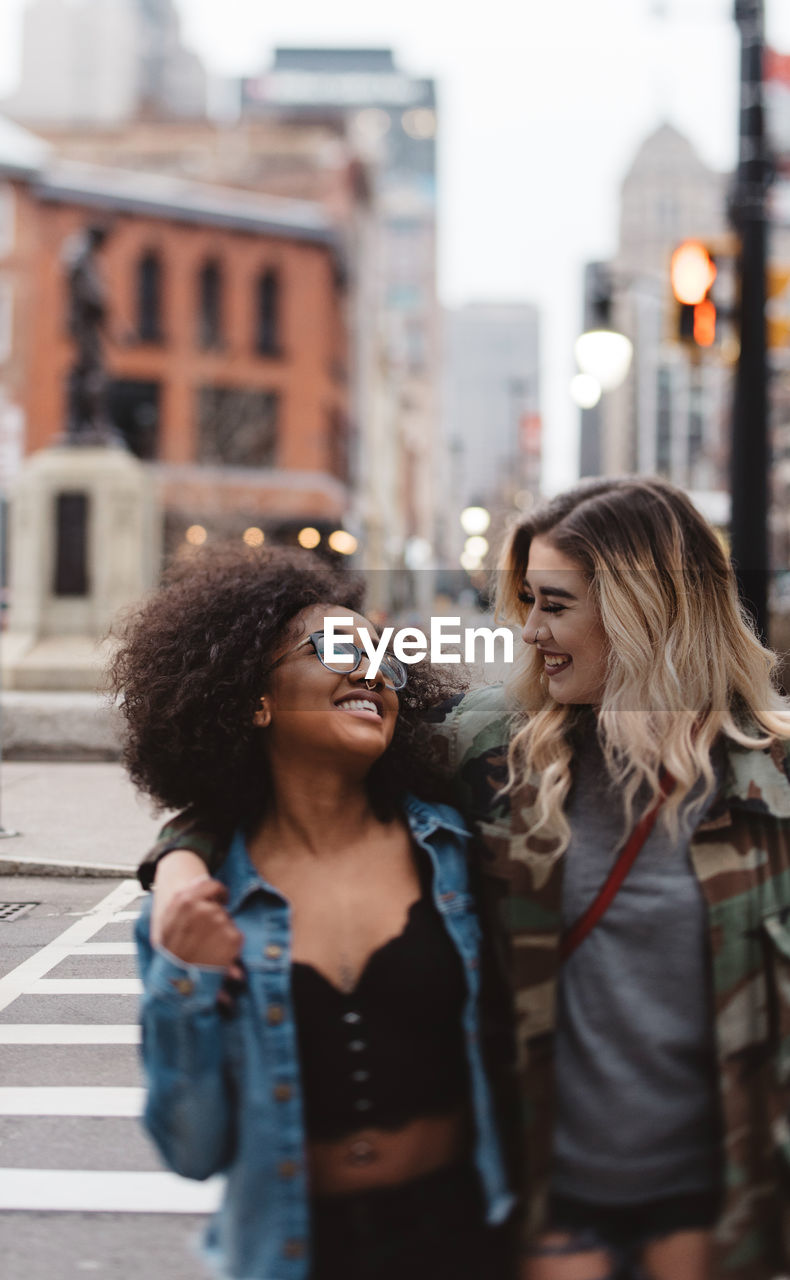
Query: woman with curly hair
column 310, row 1016
column 630, row 783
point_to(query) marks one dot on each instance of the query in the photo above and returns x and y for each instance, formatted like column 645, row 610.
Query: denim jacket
column 224, row 1095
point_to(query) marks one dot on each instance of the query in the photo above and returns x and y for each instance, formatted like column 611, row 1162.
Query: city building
column 98, row 62
column 490, row 408
column 390, row 118
column 671, row 415
column 227, row 343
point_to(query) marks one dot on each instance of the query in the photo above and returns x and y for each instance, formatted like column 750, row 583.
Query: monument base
column 85, row 543
column 70, row 663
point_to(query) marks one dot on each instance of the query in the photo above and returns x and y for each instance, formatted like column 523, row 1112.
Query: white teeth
column 358, row 704
column 555, row 662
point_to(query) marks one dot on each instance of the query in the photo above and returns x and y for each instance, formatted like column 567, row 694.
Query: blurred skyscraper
column 390, row 119
column 100, row 62
column 490, row 407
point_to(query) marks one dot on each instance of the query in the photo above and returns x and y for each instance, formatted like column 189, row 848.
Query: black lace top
column 391, row 1049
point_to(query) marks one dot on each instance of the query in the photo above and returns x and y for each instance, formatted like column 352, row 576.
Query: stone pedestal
column 85, row 542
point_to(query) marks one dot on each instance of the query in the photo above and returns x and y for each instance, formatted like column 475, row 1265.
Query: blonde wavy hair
column 684, row 665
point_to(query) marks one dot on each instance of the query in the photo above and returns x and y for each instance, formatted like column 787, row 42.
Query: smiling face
column 571, row 639
column 315, row 712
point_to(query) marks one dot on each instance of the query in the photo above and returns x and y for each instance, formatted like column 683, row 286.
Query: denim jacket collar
column 241, row 879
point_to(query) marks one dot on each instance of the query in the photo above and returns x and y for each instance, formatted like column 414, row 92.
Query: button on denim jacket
column 224, row 1095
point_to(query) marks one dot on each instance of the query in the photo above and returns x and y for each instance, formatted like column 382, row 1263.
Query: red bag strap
column 587, row 921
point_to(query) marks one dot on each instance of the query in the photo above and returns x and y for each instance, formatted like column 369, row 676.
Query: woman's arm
column 188, row 1109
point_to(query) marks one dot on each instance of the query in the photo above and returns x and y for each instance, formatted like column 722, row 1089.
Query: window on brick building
column 149, row 298
column 237, row 427
column 267, row 336
column 337, row 430
column 210, row 306
column 134, row 410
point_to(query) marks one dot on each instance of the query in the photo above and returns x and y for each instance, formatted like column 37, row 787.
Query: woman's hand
column 189, row 918
column 175, row 871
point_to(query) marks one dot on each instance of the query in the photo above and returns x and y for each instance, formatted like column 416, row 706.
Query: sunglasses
column 349, row 657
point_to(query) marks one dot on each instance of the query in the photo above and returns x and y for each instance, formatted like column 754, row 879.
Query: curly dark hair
column 189, row 671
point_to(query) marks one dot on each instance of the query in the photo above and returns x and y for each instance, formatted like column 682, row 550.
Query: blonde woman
column 631, row 787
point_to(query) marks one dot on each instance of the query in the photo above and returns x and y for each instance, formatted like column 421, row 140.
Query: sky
column 542, row 106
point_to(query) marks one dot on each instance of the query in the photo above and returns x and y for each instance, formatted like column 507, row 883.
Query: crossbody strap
column 586, row 922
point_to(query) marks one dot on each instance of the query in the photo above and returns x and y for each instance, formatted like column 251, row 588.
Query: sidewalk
column 72, row 819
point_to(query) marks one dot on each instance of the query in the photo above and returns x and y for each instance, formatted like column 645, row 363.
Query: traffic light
column 692, row 272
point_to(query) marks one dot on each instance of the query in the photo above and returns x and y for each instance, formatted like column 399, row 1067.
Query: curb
column 83, row 870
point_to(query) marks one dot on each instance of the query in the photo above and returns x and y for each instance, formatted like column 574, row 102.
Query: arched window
column 210, row 309
column 149, row 298
column 267, row 338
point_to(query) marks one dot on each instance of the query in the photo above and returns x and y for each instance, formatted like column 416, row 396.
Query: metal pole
column 5, row 832
column 750, row 446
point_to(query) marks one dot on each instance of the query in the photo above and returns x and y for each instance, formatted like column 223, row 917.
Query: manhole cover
column 13, row 910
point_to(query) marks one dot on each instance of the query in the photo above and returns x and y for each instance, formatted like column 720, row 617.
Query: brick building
column 227, row 341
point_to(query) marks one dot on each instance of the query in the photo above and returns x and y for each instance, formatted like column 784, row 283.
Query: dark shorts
column 622, row 1232
column 431, row 1228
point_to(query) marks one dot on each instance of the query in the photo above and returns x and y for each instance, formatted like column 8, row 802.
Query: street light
column 474, row 521
column 604, row 355
column 585, row 390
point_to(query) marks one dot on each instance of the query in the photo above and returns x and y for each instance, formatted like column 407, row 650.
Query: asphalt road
column 82, row 1192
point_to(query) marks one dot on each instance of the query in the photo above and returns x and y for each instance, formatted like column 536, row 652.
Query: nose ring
column 369, row 684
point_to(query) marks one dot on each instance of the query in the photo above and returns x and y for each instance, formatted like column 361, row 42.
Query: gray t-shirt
column 637, row 1111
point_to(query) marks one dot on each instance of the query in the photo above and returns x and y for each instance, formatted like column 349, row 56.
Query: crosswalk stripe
column 105, row 1191
column 104, row 949
column 20, row 979
column 57, row 1100
column 68, row 1033
column 84, row 987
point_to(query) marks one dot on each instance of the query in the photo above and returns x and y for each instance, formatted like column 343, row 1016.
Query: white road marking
column 120, row 916
column 104, row 949
column 68, row 1033
column 85, row 987
column 22, row 979
column 59, row 1100
column 105, row 1191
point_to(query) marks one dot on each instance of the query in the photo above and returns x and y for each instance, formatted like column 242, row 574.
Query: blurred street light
column 474, row 520
column 343, row 542
column 196, row 535
column 585, row 390
column 476, row 546
column 308, row 538
column 469, row 562
column 604, row 355
column 417, row 553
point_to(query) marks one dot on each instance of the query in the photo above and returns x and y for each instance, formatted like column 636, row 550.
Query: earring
column 263, row 717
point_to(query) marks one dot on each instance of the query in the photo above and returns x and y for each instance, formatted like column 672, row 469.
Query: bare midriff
column 383, row 1157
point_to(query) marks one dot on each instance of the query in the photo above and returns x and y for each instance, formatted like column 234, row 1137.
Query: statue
column 87, row 421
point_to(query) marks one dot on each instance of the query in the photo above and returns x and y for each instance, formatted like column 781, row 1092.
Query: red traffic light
column 692, row 272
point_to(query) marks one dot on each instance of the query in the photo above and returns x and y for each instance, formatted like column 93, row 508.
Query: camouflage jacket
column 741, row 855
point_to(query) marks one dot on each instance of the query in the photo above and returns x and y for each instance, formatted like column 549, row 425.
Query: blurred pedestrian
column 310, row 1016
